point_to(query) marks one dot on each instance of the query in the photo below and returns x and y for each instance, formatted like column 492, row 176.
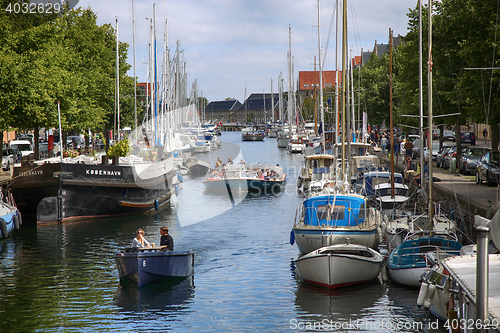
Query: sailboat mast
column 290, row 100
column 322, row 114
column 429, row 106
column 133, row 47
column 280, row 97
column 156, row 76
column 272, row 101
column 344, row 42
column 420, row 92
column 117, row 82
column 390, row 110
column 336, row 113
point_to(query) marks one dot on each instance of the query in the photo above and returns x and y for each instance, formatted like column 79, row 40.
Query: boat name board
column 31, row 173
column 99, row 172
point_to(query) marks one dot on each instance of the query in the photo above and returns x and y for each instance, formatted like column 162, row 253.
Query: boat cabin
column 334, row 211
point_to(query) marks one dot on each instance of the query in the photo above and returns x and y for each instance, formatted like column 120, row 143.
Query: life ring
column 3, row 228
column 16, row 222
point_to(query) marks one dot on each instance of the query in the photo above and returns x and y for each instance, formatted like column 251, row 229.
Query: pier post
column 482, row 276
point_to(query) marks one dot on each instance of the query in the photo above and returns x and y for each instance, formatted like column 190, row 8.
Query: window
column 329, row 212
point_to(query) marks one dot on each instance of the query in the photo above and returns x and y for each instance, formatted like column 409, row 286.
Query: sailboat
column 66, row 189
column 337, row 216
column 428, row 232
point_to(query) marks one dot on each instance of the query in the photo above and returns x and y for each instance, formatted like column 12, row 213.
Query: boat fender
column 380, row 235
column 20, row 218
column 3, row 228
column 157, row 205
column 179, row 177
column 176, row 190
column 16, row 222
column 383, row 226
column 292, row 237
column 430, row 295
column 383, row 272
column 422, row 293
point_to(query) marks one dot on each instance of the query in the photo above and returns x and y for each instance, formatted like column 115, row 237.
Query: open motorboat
column 246, row 177
column 339, row 265
column 151, row 264
column 197, row 167
column 407, row 262
column 331, row 219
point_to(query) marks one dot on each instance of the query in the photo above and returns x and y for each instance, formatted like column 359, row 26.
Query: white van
column 23, row 145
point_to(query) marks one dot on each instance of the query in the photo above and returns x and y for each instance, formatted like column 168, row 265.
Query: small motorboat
column 339, row 265
column 197, row 167
column 10, row 217
column 151, row 264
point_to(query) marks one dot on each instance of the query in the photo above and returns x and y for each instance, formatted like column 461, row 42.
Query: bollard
column 482, row 276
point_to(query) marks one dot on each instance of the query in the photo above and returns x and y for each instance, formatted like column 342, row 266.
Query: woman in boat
column 140, row 241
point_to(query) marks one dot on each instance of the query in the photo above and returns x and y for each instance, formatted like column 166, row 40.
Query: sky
column 233, row 47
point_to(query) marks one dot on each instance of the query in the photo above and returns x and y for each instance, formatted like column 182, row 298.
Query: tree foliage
column 66, row 58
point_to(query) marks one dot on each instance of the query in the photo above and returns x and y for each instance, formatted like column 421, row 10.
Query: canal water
column 63, row 278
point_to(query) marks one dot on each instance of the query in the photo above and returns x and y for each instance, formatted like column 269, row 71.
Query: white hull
column 310, row 239
column 408, row 276
column 339, row 266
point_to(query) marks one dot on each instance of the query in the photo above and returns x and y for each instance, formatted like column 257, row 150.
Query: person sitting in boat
column 166, row 239
column 140, row 241
column 218, row 163
column 229, row 161
column 243, row 161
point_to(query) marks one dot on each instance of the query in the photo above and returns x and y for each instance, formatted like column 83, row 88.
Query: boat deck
column 463, row 271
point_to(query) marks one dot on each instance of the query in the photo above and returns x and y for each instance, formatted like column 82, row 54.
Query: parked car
column 468, row 137
column 448, row 156
column 440, row 155
column 23, row 145
column 487, row 168
column 435, row 149
column 449, row 136
column 7, row 158
column 470, row 157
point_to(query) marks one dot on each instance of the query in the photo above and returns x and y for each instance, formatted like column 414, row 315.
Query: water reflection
column 343, row 303
column 167, row 296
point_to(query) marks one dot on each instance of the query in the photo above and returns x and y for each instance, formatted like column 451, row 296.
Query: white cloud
column 230, row 43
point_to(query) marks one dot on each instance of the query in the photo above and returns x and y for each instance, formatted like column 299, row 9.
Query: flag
column 329, row 101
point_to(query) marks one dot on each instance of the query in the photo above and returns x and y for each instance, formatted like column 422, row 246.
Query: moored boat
column 197, row 167
column 149, row 265
column 10, row 217
column 333, row 219
column 246, row 177
column 407, row 262
column 252, row 136
column 80, row 189
column 339, row 265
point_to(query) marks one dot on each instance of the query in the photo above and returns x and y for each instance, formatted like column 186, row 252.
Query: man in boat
column 166, row 239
